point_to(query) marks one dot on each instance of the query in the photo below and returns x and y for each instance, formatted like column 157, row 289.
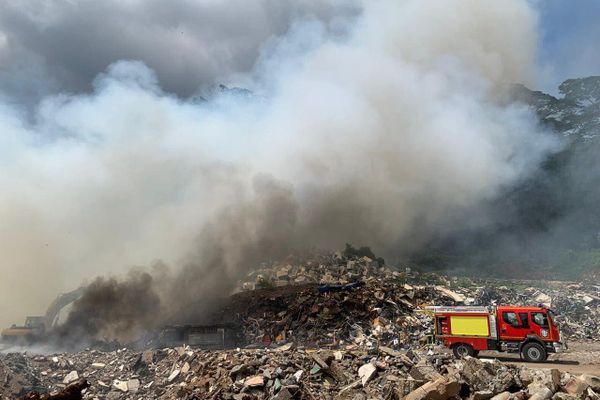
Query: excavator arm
column 63, row 300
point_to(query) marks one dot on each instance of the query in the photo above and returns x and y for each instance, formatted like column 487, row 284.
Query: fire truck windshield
column 540, row 319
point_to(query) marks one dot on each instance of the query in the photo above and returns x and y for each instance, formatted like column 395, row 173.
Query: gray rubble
column 339, row 328
column 296, row 373
column 395, row 294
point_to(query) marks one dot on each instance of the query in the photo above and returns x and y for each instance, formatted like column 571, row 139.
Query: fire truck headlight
column 544, row 332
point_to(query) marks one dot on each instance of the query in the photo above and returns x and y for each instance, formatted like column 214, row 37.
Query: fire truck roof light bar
column 459, row 309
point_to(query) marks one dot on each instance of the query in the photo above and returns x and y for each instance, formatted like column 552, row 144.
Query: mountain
column 549, row 225
column 576, row 115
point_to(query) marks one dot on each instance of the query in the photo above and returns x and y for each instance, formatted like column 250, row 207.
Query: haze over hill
column 549, row 225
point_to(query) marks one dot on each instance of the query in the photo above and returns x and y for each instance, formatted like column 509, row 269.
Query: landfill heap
column 372, row 312
column 281, row 374
column 333, row 300
column 317, row 268
column 355, row 330
column 577, row 305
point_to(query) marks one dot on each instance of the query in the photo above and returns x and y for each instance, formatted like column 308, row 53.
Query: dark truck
column 210, row 337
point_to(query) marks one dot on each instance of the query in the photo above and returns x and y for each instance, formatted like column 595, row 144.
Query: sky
column 570, row 41
column 59, row 45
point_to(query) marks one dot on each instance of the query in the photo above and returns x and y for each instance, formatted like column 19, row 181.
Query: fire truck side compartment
column 470, row 325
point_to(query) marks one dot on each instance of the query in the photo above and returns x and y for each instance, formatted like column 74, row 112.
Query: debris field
column 354, row 329
column 285, row 372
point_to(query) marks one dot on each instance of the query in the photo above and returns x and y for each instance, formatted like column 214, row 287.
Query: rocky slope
column 547, row 225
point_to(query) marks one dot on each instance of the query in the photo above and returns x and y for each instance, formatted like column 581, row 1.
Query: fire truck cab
column 528, row 331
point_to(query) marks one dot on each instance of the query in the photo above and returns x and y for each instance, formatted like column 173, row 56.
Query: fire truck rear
column 529, row 331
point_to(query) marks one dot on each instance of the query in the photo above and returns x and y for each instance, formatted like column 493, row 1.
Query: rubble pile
column 372, row 312
column 319, row 268
column 387, row 312
column 283, row 373
column 333, row 300
column 576, row 305
column 343, row 327
column 332, row 308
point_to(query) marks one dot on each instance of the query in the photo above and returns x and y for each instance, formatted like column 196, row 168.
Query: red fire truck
column 528, row 331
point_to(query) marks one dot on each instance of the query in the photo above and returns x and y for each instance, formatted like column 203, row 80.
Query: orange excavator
column 37, row 328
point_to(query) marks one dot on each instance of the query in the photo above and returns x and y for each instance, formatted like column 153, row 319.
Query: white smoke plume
column 382, row 135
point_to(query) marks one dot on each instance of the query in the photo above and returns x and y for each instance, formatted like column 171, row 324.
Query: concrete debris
column 440, row 389
column 325, row 327
column 366, row 372
column 458, row 298
column 546, row 378
column 544, row 299
column 255, row 381
column 173, row 375
column 488, row 376
column 342, row 300
column 483, row 395
column 502, row 396
column 265, row 374
column 576, row 387
column 71, row 377
column 542, row 393
column 186, row 368
column 592, row 381
column 564, row 396
column 298, row 375
column 120, row 385
column 133, row 385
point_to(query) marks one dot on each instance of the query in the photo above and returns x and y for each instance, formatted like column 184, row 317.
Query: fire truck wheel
column 461, row 350
column 533, row 352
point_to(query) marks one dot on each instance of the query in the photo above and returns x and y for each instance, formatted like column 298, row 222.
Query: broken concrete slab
column 576, row 387
column 492, row 376
column 502, row 396
column 366, row 372
column 542, row 393
column 133, row 385
column 173, row 375
column 592, row 381
column 70, row 377
column 440, row 389
column 565, row 396
column 456, row 297
column 549, row 378
column 255, row 381
column 120, row 385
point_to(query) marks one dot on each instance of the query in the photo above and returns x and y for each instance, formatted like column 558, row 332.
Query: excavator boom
column 36, row 328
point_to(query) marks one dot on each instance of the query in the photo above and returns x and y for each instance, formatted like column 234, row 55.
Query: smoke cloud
column 62, row 45
column 387, row 133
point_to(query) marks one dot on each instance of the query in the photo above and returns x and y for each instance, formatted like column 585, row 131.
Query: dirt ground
column 580, row 358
